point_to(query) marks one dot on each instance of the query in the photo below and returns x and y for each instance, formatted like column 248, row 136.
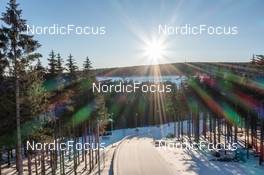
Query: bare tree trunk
column 1, row 161
column 29, row 163
column 8, row 158
column 42, row 163
column 36, row 163
column 39, row 159
column 11, row 153
column 74, row 153
column 204, row 125
column 55, row 152
column 95, row 153
column 178, row 120
column 193, row 125
column 52, row 162
column 59, row 150
column 85, row 140
column 219, row 130
column 196, row 125
column 90, row 153
column 98, row 147
column 214, row 129
column 261, row 142
column 83, row 137
column 60, row 160
column 235, row 139
column 247, row 128
column 69, row 154
column 19, row 153
column 225, row 128
column 50, row 159
column 210, row 128
column 174, row 128
column 182, row 126
column 63, row 166
column 189, row 127
column 78, row 153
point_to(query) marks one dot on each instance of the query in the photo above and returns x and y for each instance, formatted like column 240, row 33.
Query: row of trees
column 237, row 105
column 218, row 105
column 201, row 108
column 56, row 67
column 17, row 53
column 43, row 105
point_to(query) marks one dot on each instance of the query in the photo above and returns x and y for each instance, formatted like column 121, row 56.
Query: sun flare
column 155, row 50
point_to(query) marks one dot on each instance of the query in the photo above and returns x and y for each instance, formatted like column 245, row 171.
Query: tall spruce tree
column 59, row 65
column 87, row 65
column 52, row 70
column 3, row 47
column 71, row 65
column 39, row 68
column 18, row 46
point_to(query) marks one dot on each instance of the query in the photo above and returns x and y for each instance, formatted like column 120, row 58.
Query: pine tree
column 18, row 45
column 52, row 64
column 3, row 60
column 71, row 65
column 34, row 103
column 40, row 69
column 59, row 66
column 101, row 120
column 87, row 65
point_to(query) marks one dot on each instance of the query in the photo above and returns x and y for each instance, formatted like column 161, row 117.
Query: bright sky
column 130, row 22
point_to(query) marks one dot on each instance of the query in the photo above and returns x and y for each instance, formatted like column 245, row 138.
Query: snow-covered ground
column 181, row 161
column 156, row 132
column 191, row 162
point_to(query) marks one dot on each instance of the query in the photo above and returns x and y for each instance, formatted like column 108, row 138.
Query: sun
column 155, row 50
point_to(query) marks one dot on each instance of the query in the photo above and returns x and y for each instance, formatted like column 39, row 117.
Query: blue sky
column 127, row 22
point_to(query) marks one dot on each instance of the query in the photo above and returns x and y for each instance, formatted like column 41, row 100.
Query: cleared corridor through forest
column 137, row 156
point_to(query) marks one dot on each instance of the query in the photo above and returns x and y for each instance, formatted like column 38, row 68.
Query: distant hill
column 161, row 69
column 174, row 69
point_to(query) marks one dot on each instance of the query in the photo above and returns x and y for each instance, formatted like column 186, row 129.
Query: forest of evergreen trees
column 57, row 103
column 43, row 104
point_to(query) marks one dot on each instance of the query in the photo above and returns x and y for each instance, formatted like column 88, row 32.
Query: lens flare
column 155, row 50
